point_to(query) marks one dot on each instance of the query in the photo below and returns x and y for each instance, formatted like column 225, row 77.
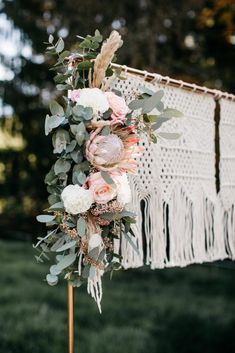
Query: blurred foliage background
column 170, row 311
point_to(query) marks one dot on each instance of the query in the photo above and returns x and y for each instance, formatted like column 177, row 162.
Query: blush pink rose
column 74, row 95
column 102, row 192
column 118, row 106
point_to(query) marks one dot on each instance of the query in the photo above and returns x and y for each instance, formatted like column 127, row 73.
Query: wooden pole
column 70, row 301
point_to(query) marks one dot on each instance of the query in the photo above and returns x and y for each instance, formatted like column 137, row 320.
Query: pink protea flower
column 104, row 151
column 114, row 152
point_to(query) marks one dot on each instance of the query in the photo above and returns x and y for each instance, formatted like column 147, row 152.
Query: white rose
column 95, row 240
column 76, row 199
column 94, row 98
column 123, row 190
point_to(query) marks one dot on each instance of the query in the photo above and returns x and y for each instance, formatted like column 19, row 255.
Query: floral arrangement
column 95, row 136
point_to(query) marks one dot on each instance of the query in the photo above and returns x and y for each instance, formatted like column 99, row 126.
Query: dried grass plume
column 105, row 57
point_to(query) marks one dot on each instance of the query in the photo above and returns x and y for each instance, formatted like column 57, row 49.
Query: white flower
column 123, row 190
column 95, row 240
column 94, row 98
column 76, row 199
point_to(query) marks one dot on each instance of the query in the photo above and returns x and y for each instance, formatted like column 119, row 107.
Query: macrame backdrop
column 227, row 173
column 179, row 216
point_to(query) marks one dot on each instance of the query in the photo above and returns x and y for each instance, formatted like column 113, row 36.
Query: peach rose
column 118, row 106
column 102, row 192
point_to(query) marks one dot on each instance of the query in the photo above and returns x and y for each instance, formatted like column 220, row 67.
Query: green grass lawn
column 190, row 310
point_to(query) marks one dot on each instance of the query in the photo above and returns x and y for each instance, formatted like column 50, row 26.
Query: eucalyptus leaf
column 67, row 246
column 81, row 226
column 160, row 106
column 80, row 137
column 85, row 65
column 38, row 259
column 61, row 166
column 62, row 87
column 77, row 155
column 60, row 78
column 98, row 36
column 110, row 216
column 60, row 45
column 169, row 135
column 58, row 243
column 71, row 146
column 66, row 261
column 50, row 177
column 102, row 255
column 150, row 103
column 84, row 166
column 59, row 258
column 92, row 272
column 52, row 280
column 56, row 108
column 94, row 253
column 57, row 206
column 105, row 131
column 127, row 214
column 107, row 114
column 146, row 90
column 107, row 178
column 50, row 39
column 136, row 104
column 159, row 122
column 171, row 113
column 53, row 198
column 77, row 282
column 45, row 218
column 131, row 242
column 52, row 122
column 149, row 118
column 54, row 270
column 62, row 56
column 60, row 140
column 85, row 271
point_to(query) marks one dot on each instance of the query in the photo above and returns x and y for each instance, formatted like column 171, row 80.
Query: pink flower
column 114, row 152
column 118, row 106
column 102, row 192
column 104, row 151
column 74, row 94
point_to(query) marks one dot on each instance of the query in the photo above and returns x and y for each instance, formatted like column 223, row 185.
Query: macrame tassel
column 130, row 257
column 219, row 241
column 174, row 233
column 229, row 231
column 94, row 288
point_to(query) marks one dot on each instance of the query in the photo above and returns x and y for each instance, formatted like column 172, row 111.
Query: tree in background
column 192, row 40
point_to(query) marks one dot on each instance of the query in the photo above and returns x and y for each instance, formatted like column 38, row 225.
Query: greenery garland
column 95, row 136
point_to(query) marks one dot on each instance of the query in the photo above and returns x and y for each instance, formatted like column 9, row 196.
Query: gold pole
column 70, row 299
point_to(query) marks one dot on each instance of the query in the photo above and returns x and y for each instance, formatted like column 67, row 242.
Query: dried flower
column 104, row 58
column 113, row 207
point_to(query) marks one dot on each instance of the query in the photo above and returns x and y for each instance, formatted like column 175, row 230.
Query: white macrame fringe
column 178, row 232
column 180, row 218
column 94, row 288
column 229, row 231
